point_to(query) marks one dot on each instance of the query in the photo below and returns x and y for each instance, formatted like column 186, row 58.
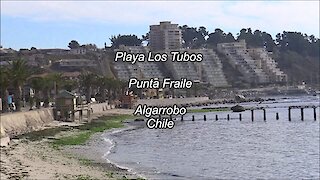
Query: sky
column 53, row 24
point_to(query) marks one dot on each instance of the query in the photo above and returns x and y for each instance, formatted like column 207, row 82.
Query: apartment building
column 239, row 57
column 268, row 64
column 211, row 69
column 165, row 36
column 187, row 70
column 140, row 70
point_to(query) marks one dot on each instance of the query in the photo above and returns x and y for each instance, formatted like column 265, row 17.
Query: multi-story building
column 165, row 36
column 268, row 64
column 211, row 67
column 254, row 64
column 140, row 70
column 240, row 59
column 209, row 70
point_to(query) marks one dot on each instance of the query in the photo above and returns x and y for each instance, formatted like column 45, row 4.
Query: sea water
column 275, row 149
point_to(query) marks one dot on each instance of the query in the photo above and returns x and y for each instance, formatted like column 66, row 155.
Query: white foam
column 107, row 139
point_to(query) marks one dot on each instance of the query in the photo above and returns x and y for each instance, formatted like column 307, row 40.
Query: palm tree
column 37, row 84
column 47, row 87
column 87, row 81
column 58, row 82
column 4, row 84
column 19, row 74
column 102, row 83
column 70, row 85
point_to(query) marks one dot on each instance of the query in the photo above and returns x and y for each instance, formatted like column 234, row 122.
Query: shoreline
column 102, row 146
column 38, row 159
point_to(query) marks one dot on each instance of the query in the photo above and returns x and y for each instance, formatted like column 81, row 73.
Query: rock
column 237, row 108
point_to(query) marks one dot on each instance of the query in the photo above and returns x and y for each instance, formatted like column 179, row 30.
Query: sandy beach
column 38, row 159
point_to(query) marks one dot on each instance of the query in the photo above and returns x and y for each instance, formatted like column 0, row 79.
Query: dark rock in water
column 237, row 108
column 138, row 119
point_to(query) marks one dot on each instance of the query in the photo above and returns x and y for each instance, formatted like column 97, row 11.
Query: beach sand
column 39, row 160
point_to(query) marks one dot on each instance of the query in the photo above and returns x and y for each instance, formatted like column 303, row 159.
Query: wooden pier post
column 192, row 117
column 315, row 113
column 302, row 115
column 289, row 113
column 277, row 116
column 170, row 116
column 182, row 118
column 240, row 117
column 216, row 117
column 264, row 115
column 204, row 117
column 252, row 115
column 228, row 117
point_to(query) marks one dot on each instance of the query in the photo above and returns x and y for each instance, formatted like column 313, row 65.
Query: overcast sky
column 53, row 24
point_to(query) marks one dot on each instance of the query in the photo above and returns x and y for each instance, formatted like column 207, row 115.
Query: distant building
column 79, row 50
column 54, row 51
column 268, row 64
column 165, row 36
column 209, row 70
column 140, row 70
column 254, row 64
column 75, row 64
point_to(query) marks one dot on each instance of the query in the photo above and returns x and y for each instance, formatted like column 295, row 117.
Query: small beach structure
column 65, row 106
column 127, row 101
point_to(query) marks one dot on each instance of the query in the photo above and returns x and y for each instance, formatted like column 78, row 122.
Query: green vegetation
column 83, row 177
column 86, row 162
column 128, row 40
column 17, row 75
column 207, row 110
column 45, row 133
column 86, row 130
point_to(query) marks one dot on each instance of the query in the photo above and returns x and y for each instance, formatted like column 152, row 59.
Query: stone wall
column 100, row 107
column 12, row 124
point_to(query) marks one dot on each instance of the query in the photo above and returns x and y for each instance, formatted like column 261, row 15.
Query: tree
column 47, row 87
column 19, row 74
column 127, row 40
column 203, row 31
column 37, row 83
column 268, row 42
column 57, row 80
column 87, row 81
column 70, row 85
column 145, row 37
column 192, row 37
column 229, row 38
column 73, row 44
column 4, row 84
column 101, row 83
column 218, row 36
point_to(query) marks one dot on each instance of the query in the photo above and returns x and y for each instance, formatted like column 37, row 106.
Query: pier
column 254, row 111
